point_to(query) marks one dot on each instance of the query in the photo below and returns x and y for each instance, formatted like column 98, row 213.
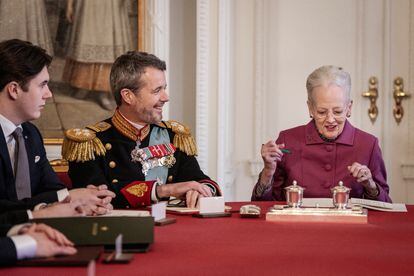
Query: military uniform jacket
column 116, row 169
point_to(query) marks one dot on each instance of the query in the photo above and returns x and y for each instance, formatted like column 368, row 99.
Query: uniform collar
column 128, row 129
column 346, row 137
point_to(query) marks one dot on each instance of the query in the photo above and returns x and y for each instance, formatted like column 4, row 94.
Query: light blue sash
column 158, row 136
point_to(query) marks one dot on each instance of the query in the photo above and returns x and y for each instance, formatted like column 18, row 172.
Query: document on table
column 186, row 210
column 127, row 213
column 379, row 205
column 182, row 210
column 366, row 203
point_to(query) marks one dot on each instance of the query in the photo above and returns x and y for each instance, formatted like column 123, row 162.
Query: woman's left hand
column 361, row 172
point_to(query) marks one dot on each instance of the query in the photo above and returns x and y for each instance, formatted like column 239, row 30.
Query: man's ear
column 13, row 89
column 127, row 96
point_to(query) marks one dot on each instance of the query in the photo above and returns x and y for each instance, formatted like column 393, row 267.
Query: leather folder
column 137, row 232
column 83, row 257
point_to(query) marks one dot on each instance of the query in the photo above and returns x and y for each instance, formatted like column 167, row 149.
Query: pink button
column 329, row 148
column 328, row 167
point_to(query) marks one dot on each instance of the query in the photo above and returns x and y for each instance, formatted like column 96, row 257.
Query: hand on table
column 49, row 241
column 192, row 197
column 65, row 208
column 181, row 188
column 96, row 199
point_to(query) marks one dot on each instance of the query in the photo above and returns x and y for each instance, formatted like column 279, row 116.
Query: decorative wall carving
column 157, row 33
column 203, row 32
column 260, row 82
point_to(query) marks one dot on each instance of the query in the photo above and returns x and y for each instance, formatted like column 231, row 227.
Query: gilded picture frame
column 56, row 34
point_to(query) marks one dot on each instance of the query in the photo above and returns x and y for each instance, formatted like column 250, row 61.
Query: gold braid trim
column 81, row 145
column 123, row 126
column 138, row 190
column 182, row 138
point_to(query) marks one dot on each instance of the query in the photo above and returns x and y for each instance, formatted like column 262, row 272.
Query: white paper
column 158, row 211
column 91, row 268
column 183, row 210
column 366, row 203
column 211, row 205
column 127, row 213
column 118, row 246
column 379, row 205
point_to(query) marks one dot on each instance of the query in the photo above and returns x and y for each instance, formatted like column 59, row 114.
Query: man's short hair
column 20, row 62
column 127, row 70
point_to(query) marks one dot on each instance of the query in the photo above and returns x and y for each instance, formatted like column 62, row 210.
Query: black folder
column 83, row 257
column 137, row 232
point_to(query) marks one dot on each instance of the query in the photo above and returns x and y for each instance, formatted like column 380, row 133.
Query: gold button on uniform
column 170, row 178
column 115, row 181
column 108, row 146
column 112, row 164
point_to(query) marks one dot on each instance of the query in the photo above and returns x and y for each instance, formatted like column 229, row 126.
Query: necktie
column 21, row 167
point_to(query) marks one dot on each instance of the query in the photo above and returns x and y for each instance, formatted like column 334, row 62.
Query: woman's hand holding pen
column 271, row 154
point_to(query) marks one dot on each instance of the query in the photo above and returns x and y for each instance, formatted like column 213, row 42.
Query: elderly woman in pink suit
column 326, row 150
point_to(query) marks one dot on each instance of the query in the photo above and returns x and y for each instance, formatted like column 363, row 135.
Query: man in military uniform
column 140, row 157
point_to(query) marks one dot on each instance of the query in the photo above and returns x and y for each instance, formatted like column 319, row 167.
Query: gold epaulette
column 81, row 145
column 183, row 138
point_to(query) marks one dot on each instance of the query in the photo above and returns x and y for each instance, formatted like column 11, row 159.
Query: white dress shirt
column 25, row 245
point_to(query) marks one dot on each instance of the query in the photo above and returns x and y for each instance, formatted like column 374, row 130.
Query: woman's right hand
column 271, row 154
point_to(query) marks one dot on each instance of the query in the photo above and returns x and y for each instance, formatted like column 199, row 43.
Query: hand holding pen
column 271, row 154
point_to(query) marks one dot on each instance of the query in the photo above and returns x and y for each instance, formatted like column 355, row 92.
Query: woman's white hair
column 329, row 75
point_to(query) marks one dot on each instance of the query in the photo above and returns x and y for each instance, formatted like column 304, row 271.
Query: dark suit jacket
column 8, row 254
column 14, row 217
column 44, row 181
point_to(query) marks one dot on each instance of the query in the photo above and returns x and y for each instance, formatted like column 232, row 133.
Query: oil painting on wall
column 84, row 37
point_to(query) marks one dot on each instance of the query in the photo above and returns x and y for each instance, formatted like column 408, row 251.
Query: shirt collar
column 7, row 126
column 346, row 137
column 137, row 126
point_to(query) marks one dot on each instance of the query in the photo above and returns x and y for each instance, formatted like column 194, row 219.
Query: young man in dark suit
column 26, row 178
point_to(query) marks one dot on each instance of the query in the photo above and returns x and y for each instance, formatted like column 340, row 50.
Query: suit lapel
column 7, row 167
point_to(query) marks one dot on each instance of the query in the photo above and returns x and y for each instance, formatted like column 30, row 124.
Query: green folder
column 137, row 232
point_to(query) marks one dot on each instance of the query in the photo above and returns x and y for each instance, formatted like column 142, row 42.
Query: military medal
column 154, row 156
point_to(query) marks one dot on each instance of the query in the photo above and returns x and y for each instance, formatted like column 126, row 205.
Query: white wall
column 182, row 66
